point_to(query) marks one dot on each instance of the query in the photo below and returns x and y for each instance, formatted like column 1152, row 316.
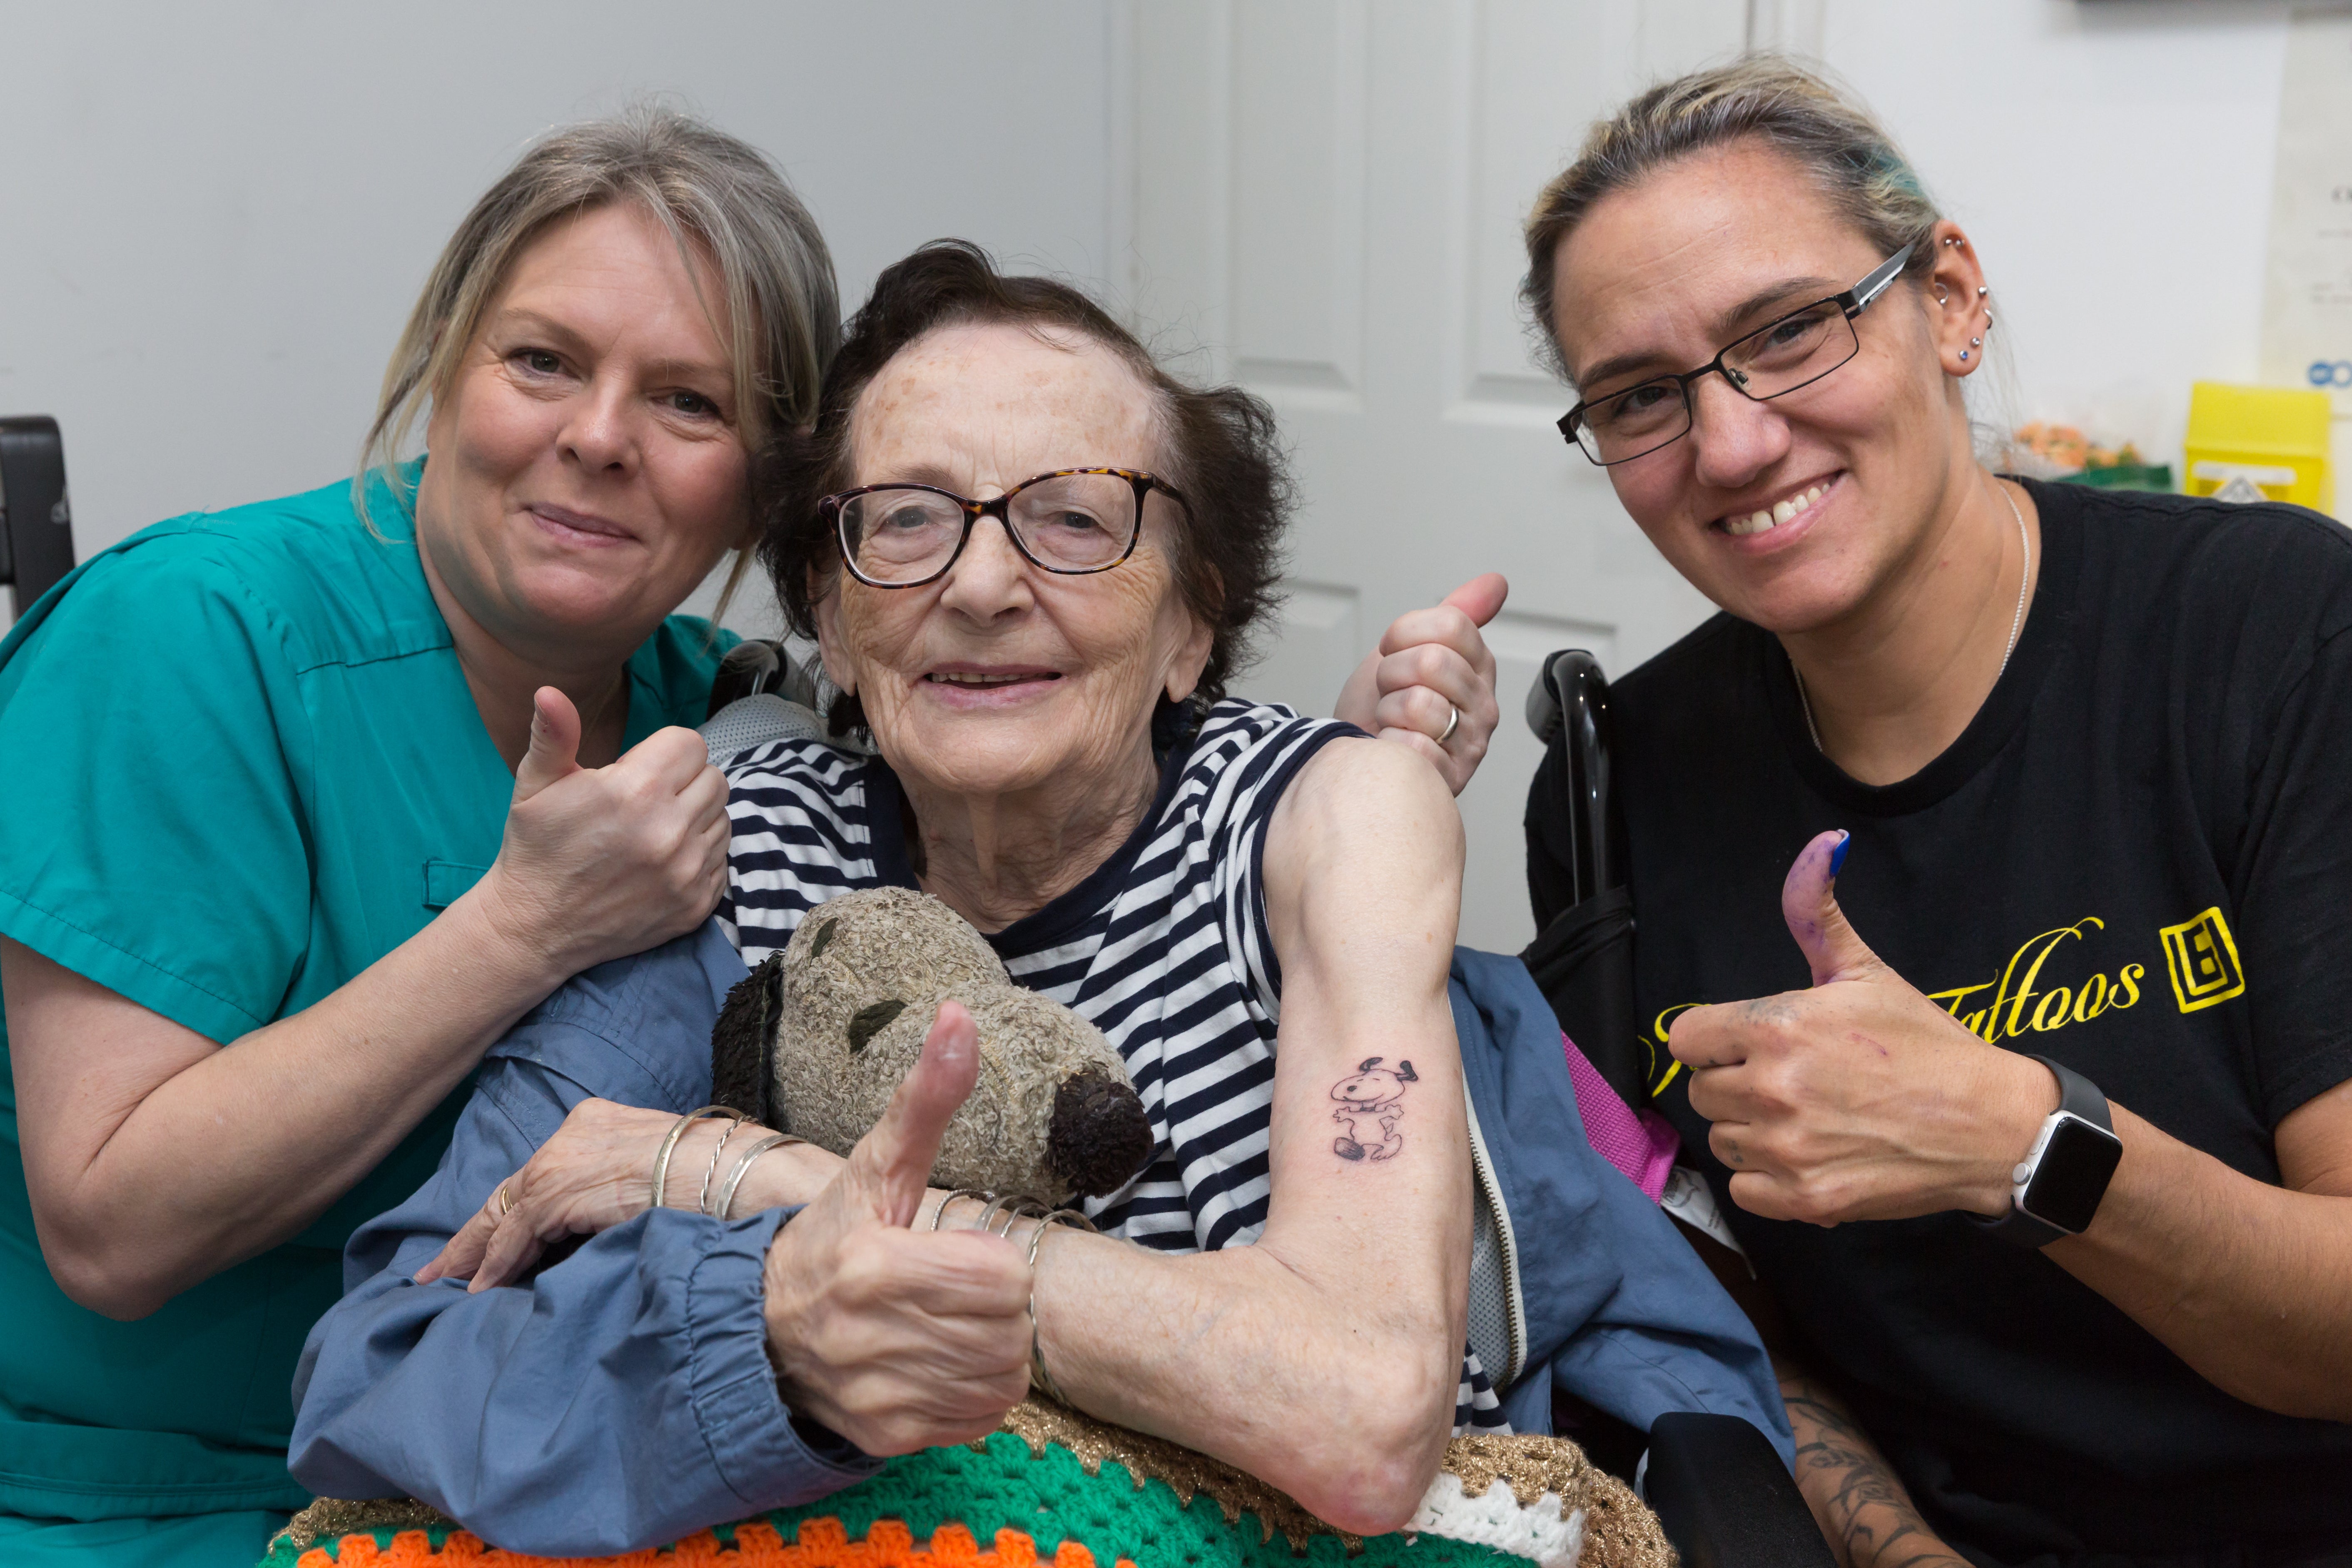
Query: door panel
column 1327, row 199
column 1309, row 656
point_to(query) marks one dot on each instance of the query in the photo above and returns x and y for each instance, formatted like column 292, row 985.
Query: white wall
column 213, row 219
column 2111, row 160
column 216, row 218
column 1329, row 196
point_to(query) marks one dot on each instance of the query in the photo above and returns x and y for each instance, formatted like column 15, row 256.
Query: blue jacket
column 1606, row 1299
column 623, row 1397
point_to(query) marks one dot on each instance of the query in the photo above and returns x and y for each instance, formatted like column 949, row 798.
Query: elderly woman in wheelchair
column 1032, row 559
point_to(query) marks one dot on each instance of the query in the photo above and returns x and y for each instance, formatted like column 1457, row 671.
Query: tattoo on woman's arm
column 1371, row 1100
column 1861, row 1503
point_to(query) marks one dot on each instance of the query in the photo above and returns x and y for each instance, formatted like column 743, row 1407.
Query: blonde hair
column 708, row 189
column 1824, row 131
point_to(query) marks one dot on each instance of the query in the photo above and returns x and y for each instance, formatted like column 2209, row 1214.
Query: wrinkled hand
column 1859, row 1099
column 1431, row 663
column 595, row 1172
column 898, row 1340
column 599, row 863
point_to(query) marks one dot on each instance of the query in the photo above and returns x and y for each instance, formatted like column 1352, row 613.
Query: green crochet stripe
column 1051, row 1499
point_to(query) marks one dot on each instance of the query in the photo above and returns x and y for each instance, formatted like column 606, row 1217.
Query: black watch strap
column 2077, row 1096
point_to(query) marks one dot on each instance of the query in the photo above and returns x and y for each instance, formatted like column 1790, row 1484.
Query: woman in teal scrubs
column 305, row 803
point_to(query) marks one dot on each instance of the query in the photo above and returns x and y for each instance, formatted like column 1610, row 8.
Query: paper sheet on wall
column 2307, row 300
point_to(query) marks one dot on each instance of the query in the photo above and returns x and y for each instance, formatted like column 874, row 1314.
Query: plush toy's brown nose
column 1099, row 1136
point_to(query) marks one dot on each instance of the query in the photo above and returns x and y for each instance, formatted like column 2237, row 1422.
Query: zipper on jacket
column 1490, row 1193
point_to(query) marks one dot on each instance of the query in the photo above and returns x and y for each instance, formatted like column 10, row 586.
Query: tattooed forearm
column 1855, row 1493
column 1371, row 1100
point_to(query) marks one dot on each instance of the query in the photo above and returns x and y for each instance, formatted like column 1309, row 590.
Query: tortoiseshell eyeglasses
column 1070, row 521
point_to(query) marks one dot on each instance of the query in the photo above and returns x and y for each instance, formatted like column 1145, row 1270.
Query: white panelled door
column 1327, row 201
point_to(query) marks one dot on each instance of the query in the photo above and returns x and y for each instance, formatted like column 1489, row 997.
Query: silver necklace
column 2016, row 622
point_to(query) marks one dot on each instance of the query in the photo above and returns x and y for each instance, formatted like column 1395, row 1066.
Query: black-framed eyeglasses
column 1071, row 521
column 1773, row 361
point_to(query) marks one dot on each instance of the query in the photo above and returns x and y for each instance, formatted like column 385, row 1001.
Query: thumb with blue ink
column 1809, row 903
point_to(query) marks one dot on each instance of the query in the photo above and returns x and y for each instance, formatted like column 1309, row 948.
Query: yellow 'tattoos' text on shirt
column 2201, row 959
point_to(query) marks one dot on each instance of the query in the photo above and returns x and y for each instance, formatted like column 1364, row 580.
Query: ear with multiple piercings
column 1942, row 298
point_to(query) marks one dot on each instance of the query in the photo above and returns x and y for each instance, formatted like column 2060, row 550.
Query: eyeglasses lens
column 899, row 536
column 1072, row 523
column 1637, row 420
column 1795, row 351
column 1076, row 522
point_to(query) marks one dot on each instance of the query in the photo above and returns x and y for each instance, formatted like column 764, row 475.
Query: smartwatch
column 2062, row 1177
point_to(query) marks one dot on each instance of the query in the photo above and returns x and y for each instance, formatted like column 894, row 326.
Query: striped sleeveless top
column 1164, row 948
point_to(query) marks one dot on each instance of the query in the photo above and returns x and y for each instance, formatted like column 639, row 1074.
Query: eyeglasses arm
column 1874, row 282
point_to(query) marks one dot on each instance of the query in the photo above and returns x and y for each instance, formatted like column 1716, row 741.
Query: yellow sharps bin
column 2273, row 437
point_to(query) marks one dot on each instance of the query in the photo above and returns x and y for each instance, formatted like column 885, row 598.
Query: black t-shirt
column 2136, row 860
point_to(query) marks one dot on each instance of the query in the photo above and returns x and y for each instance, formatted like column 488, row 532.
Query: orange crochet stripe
column 819, row 1543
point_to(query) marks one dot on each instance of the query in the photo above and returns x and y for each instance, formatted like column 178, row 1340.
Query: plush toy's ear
column 743, row 1042
column 1405, row 1073
column 1368, row 1064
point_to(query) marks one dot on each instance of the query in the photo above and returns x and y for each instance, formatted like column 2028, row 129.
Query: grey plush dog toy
column 818, row 1037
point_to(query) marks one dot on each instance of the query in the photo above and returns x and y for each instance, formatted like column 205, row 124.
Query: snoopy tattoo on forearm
column 1370, row 1103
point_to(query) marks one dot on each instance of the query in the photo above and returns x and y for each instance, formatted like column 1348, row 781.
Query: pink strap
column 1642, row 1143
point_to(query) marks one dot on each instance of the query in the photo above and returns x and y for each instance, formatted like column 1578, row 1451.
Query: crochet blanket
column 1054, row 1487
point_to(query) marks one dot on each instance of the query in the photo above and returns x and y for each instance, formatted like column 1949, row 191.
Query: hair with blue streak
column 1821, row 128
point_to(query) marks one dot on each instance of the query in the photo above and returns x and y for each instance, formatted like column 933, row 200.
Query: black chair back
column 1583, row 957
column 36, row 520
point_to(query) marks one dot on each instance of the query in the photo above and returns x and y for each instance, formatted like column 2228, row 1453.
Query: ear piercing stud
column 1941, row 299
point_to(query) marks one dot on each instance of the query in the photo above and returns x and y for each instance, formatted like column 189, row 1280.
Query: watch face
column 2073, row 1175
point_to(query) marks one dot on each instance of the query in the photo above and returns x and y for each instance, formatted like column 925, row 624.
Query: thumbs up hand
column 900, row 1338
column 1432, row 665
column 1809, row 904
column 598, row 863
column 1858, row 1098
column 554, row 750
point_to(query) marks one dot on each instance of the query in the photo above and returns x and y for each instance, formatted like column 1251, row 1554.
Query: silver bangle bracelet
column 702, row 1194
column 669, row 1144
column 999, row 1213
column 735, row 1177
column 1010, row 1208
column 940, row 1212
column 1038, row 1373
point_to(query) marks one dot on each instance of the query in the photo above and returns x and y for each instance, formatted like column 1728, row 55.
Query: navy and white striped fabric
column 1163, row 948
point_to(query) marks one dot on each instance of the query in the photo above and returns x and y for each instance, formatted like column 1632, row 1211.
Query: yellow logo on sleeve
column 2203, row 958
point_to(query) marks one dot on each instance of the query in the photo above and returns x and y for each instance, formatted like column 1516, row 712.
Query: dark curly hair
column 1222, row 451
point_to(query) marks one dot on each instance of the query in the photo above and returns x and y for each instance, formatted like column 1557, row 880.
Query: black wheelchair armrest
column 1726, row 1499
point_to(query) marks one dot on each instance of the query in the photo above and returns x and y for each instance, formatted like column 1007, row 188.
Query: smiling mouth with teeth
column 976, row 678
column 1761, row 522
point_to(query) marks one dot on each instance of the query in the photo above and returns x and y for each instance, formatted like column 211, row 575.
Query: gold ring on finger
column 506, row 1201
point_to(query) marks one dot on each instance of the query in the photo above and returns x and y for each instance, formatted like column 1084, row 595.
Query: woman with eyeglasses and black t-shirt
column 2085, row 760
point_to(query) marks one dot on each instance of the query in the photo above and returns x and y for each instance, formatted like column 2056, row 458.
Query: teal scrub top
column 238, row 764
